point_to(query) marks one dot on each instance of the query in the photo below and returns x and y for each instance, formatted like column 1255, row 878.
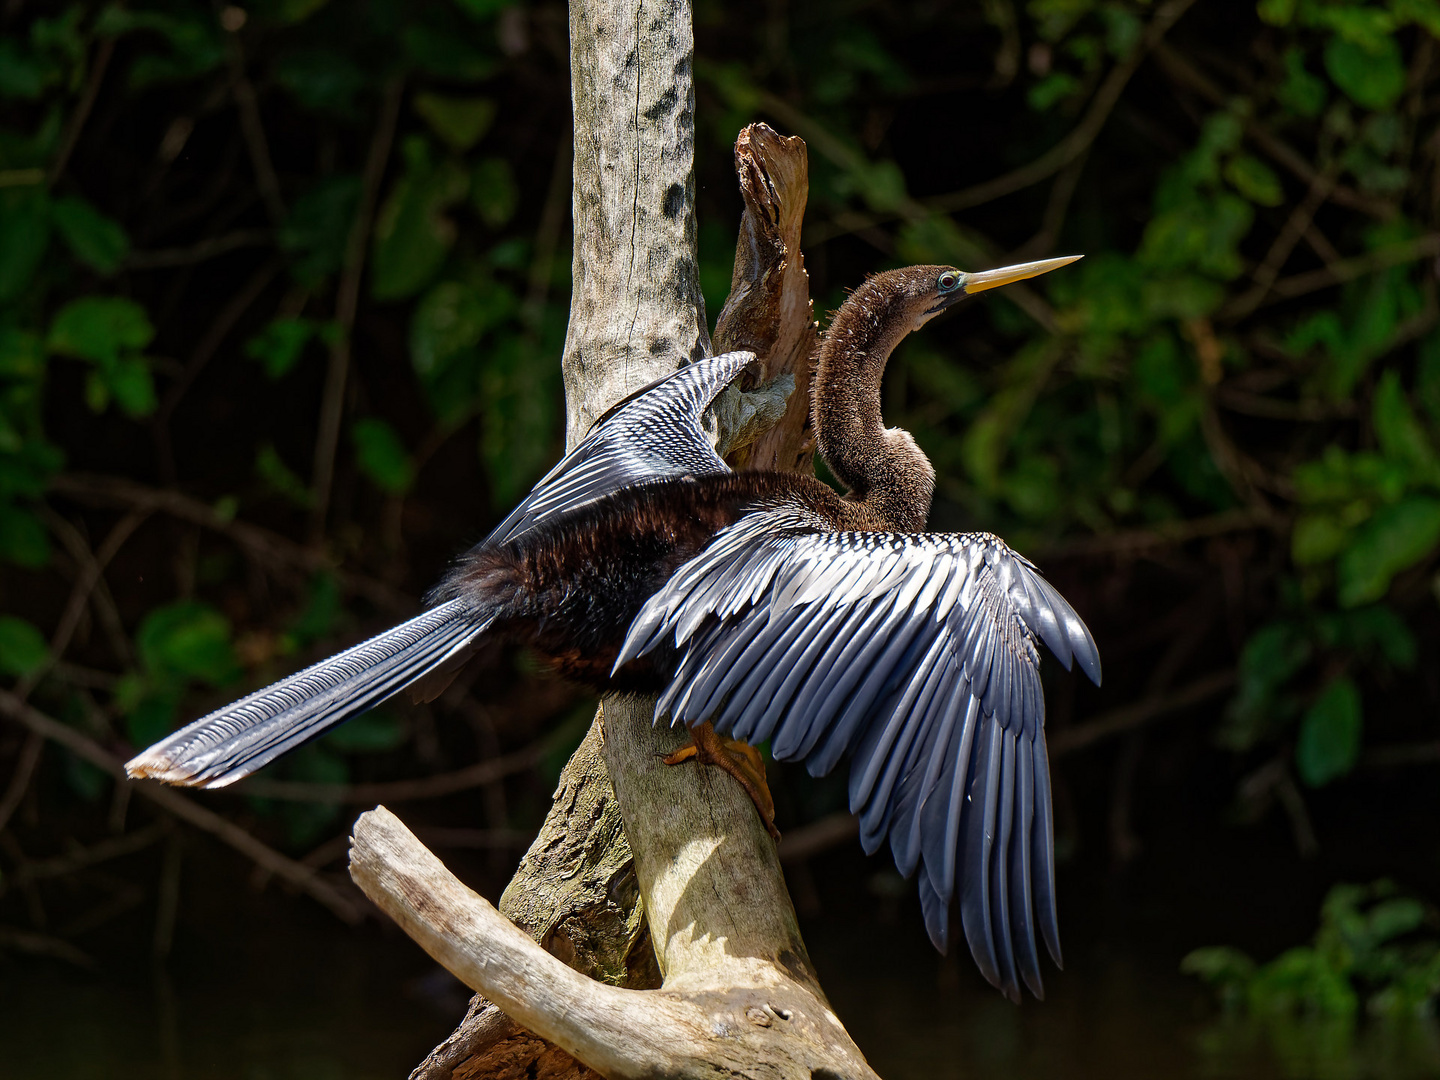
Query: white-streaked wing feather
column 653, row 435
column 915, row 653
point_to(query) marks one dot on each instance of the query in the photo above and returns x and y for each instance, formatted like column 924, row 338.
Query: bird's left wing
column 654, row 433
column 914, row 653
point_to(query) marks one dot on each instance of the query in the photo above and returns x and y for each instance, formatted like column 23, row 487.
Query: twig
column 1085, row 133
column 1181, row 70
column 1399, row 754
column 91, row 576
column 20, row 778
column 264, row 545
column 1296, row 226
column 1131, row 542
column 254, row 132
column 1128, row 717
column 824, row 833
column 82, row 110
column 92, row 570
column 1288, row 288
column 428, row 787
column 169, row 899
column 347, row 300
column 36, row 944
column 204, row 350
column 177, row 805
column 114, row 848
column 209, row 248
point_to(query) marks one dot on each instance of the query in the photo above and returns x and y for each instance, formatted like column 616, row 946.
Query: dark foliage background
column 282, row 293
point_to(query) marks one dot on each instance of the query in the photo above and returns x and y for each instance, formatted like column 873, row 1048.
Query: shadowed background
column 282, row 294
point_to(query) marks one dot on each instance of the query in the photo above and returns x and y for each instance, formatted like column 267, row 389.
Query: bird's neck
column 885, row 470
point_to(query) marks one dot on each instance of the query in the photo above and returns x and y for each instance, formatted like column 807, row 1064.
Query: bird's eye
column 948, row 281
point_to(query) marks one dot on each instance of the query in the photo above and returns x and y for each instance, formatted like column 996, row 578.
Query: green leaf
column 22, row 354
column 450, row 319
column 187, row 640
column 1374, row 77
column 22, row 647
column 99, row 328
column 1318, row 538
column 1399, row 432
column 321, row 612
column 131, row 386
column 1394, row 539
column 494, row 192
column 1329, row 741
column 325, row 80
column 1051, row 90
column 24, row 236
column 96, row 240
column 381, row 455
column 318, row 228
column 459, row 121
column 368, row 733
column 22, row 538
column 280, row 478
column 412, row 232
column 1301, row 91
column 22, row 73
column 1255, row 180
column 444, row 53
column 1276, row 12
column 280, row 345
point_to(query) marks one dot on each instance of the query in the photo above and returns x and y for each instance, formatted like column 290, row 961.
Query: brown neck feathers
column 887, row 474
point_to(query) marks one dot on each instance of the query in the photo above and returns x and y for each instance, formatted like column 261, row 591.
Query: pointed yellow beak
column 993, row 279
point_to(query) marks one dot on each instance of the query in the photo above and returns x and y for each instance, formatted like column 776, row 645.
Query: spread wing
column 652, row 434
column 915, row 654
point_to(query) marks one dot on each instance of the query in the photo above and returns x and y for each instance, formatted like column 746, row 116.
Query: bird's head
column 925, row 291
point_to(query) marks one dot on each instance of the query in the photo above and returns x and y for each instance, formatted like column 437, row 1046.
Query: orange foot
column 740, row 760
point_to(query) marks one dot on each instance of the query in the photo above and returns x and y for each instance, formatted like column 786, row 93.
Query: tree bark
column 739, row 995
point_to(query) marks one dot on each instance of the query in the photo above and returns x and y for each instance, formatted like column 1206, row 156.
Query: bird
column 763, row 606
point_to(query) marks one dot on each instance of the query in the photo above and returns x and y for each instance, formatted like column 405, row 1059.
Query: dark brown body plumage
column 570, row 589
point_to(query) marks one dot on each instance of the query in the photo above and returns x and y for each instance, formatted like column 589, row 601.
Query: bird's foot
column 740, row 760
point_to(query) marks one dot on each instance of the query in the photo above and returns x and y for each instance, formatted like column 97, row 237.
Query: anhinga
column 772, row 607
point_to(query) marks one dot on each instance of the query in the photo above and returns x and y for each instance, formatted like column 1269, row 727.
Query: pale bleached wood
column 748, row 1020
column 740, row 997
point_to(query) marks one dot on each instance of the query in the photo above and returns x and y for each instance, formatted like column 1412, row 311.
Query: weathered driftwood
column 739, row 996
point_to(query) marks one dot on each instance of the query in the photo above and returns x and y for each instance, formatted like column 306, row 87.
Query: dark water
column 268, row 988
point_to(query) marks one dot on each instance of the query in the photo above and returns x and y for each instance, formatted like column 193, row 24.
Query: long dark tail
column 234, row 741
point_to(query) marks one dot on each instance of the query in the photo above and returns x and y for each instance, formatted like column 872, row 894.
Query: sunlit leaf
column 1255, row 180
column 1318, row 538
column 99, row 328
column 381, row 455
column 189, row 640
column 1329, row 740
column 96, row 240
column 1373, row 77
column 129, row 382
column 1301, row 91
column 412, row 232
column 1394, row 539
column 280, row 345
column 459, row 121
column 22, row 647
column 1399, row 432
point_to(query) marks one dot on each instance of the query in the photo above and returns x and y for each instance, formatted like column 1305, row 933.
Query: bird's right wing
column 653, row 434
column 912, row 653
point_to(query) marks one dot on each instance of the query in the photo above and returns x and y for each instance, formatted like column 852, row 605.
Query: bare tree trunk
column 739, row 996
